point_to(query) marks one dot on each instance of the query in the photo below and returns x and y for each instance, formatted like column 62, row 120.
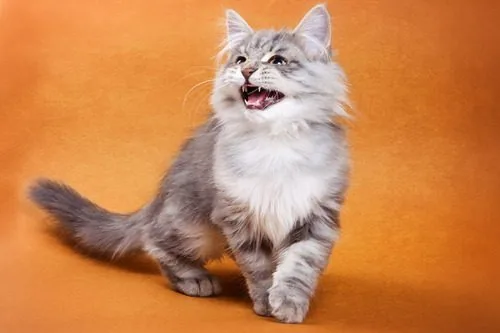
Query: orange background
column 91, row 92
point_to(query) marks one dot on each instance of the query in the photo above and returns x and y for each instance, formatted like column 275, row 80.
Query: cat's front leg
column 255, row 263
column 251, row 252
column 301, row 260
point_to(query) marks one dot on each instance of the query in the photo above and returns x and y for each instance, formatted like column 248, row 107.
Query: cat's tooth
column 259, row 89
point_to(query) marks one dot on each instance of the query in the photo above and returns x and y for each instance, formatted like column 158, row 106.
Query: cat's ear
column 315, row 31
column 237, row 28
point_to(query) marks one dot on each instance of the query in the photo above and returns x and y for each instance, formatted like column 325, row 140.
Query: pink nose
column 247, row 72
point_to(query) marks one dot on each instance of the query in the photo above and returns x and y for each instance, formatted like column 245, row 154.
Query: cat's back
column 189, row 178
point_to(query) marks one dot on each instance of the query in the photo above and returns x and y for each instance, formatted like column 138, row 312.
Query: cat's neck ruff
column 280, row 176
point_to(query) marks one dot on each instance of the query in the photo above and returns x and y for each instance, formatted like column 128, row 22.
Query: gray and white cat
column 262, row 180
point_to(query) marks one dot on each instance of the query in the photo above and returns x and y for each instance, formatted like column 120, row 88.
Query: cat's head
column 280, row 77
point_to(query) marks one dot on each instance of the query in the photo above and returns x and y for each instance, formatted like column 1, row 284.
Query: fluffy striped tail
column 93, row 227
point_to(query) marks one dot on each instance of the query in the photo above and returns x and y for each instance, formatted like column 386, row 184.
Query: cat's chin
column 256, row 98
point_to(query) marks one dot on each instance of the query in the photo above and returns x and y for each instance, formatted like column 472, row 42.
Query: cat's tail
column 92, row 227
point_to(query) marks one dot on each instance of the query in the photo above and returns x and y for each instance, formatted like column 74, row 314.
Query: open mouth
column 258, row 98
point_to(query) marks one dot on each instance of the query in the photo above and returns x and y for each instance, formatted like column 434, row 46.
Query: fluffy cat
column 262, row 180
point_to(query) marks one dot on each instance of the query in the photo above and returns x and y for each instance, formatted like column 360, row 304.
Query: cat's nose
column 247, row 72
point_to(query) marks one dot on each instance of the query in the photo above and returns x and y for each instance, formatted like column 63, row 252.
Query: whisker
column 202, row 100
column 202, row 69
column 193, row 88
column 191, row 74
column 188, row 106
column 207, row 95
column 186, row 76
column 199, row 99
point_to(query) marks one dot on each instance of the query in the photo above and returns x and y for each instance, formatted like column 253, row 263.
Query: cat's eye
column 240, row 60
column 277, row 60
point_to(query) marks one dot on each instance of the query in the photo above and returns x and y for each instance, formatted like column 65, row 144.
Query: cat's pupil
column 277, row 60
column 240, row 60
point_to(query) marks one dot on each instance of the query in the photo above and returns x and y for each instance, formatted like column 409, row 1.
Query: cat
column 263, row 179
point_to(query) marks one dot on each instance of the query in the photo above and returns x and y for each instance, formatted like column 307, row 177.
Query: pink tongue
column 257, row 99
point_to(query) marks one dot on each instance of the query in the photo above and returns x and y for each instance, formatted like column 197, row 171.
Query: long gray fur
column 264, row 186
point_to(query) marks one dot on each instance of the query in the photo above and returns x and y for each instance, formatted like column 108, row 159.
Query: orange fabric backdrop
column 91, row 92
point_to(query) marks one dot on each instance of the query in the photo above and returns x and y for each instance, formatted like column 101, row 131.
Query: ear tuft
column 237, row 28
column 315, row 30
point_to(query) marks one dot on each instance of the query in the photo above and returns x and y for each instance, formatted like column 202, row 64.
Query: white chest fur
column 281, row 180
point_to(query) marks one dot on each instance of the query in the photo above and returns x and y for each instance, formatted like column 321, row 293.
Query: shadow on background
column 360, row 302
column 377, row 305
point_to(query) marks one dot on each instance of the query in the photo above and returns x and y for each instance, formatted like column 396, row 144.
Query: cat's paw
column 199, row 287
column 262, row 308
column 288, row 307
